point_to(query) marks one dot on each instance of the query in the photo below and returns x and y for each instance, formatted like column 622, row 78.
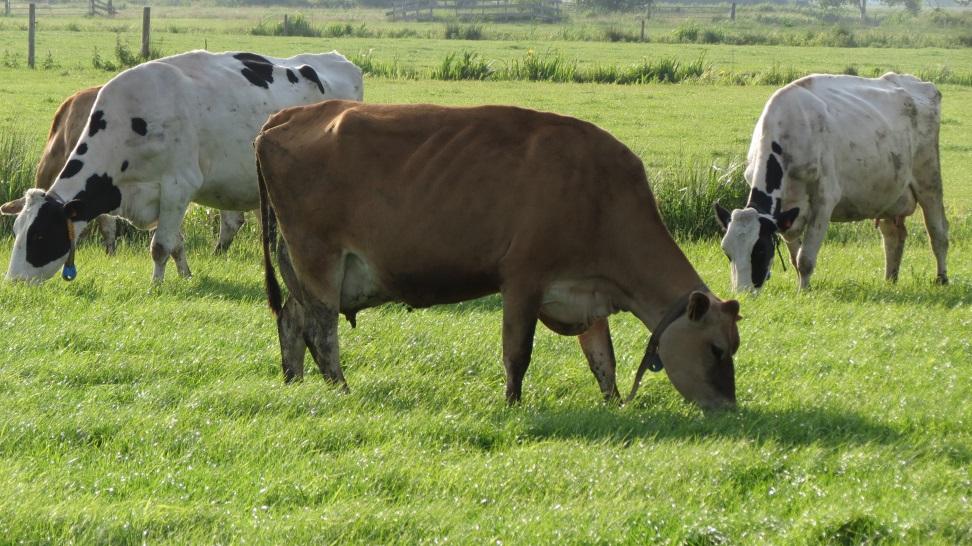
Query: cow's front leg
column 108, row 227
column 597, row 347
column 167, row 240
column 813, row 237
column 519, row 325
column 230, row 222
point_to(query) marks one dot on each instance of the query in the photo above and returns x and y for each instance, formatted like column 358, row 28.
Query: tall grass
column 297, row 25
column 685, row 193
column 555, row 67
column 466, row 65
column 18, row 159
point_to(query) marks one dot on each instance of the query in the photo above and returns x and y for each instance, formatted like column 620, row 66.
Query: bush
column 298, row 25
column 468, row 66
column 463, row 32
column 549, row 67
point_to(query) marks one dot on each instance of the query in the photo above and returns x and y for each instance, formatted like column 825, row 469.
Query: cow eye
column 717, row 353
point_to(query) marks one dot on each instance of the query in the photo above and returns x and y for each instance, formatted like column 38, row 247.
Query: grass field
column 159, row 416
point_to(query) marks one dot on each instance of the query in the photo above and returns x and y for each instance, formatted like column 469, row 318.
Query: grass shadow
column 239, row 290
column 911, row 292
column 788, row 427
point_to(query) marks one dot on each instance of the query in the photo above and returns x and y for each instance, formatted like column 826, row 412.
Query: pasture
column 136, row 415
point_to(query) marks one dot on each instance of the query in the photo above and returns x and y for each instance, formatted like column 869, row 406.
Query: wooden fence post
column 91, row 9
column 6, row 8
column 286, row 25
column 146, row 30
column 31, row 30
column 642, row 30
column 732, row 12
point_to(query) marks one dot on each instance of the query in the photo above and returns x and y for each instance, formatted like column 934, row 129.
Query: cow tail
column 269, row 224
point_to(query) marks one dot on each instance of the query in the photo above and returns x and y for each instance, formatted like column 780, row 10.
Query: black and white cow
column 838, row 148
column 164, row 134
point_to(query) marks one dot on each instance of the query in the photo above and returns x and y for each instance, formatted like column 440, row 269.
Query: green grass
column 162, row 416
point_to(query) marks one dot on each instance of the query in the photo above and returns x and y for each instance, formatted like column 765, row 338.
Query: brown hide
column 447, row 204
column 69, row 121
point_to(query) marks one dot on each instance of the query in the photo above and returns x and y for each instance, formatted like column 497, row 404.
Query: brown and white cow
column 69, row 121
column 838, row 148
column 428, row 205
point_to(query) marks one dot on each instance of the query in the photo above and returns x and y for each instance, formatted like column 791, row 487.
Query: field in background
column 134, row 415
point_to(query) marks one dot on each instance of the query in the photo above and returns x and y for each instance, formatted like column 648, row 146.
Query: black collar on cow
column 69, row 271
column 780, row 252
column 651, row 360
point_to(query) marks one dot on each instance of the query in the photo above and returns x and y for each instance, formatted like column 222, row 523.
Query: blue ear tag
column 655, row 363
column 69, row 272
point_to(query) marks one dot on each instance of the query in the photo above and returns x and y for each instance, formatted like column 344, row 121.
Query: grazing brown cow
column 69, row 121
column 427, row 205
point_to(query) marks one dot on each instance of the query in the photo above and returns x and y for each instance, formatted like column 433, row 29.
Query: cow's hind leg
column 319, row 322
column 321, row 335
column 933, row 209
column 290, row 330
column 230, row 222
column 108, row 227
column 597, row 347
column 519, row 325
column 894, row 232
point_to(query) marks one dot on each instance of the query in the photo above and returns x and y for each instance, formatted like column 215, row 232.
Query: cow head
column 694, row 344
column 43, row 238
column 749, row 241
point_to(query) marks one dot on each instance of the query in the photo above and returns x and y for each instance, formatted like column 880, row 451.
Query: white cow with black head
column 838, row 148
column 164, row 134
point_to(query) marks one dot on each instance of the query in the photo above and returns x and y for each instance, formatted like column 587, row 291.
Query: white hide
column 202, row 115
column 851, row 149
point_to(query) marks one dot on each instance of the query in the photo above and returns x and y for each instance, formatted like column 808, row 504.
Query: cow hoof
column 942, row 280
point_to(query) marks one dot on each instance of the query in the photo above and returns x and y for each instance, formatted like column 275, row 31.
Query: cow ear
column 13, row 208
column 74, row 209
column 731, row 308
column 785, row 219
column 722, row 215
column 697, row 306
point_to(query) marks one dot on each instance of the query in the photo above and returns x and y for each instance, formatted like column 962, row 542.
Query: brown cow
column 427, row 205
column 69, row 121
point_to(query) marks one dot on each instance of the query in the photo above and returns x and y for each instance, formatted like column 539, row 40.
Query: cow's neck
column 665, row 276
column 96, row 192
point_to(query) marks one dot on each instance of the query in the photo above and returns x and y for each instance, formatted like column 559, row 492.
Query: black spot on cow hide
column 124, row 166
column 760, row 201
column 72, row 168
column 139, row 126
column 777, row 149
column 82, row 149
column 291, row 77
column 96, row 123
column 762, row 254
column 99, row 196
column 774, row 174
column 311, row 74
column 47, row 236
column 257, row 69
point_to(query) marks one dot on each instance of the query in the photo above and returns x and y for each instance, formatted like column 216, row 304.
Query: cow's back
column 427, row 195
column 864, row 135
